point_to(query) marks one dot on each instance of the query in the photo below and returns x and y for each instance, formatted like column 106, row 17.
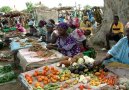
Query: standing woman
column 65, row 43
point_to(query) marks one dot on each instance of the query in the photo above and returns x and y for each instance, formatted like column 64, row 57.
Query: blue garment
column 61, row 20
column 120, row 52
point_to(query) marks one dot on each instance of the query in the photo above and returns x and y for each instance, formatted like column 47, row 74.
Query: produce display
column 41, row 52
column 77, row 59
column 79, row 76
column 36, row 47
column 5, row 56
column 123, row 84
column 6, row 74
column 45, row 53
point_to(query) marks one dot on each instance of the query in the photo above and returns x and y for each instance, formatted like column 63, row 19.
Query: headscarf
column 49, row 25
column 63, row 25
column 31, row 23
column 42, row 22
column 127, row 25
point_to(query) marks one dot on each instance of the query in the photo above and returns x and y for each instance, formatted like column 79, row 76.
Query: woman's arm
column 108, row 56
column 99, row 62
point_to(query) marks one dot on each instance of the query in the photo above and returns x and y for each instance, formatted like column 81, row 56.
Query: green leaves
column 5, row 9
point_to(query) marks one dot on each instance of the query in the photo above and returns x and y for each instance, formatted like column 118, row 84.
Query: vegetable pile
column 6, row 74
column 46, row 76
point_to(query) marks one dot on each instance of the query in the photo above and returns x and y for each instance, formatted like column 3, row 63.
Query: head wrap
column 42, row 22
column 63, row 26
column 127, row 25
column 31, row 23
column 50, row 25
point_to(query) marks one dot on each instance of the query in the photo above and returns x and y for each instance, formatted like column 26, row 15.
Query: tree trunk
column 111, row 8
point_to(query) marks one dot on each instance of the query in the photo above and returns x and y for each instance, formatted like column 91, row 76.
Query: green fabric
column 69, row 30
column 13, row 28
column 91, row 53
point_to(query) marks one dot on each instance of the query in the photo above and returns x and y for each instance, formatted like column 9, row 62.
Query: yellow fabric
column 85, row 18
column 120, row 26
column 85, row 26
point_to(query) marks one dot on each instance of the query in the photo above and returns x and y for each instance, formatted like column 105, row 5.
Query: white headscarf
column 127, row 25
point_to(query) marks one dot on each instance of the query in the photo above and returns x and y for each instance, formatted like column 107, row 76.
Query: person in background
column 52, row 34
column 41, row 31
column 66, row 44
column 116, row 32
column 85, row 24
column 5, row 23
column 118, row 53
column 79, row 35
column 76, row 21
column 51, row 21
column 33, row 30
column 21, row 28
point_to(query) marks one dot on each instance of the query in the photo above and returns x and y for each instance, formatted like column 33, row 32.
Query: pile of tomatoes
column 48, row 74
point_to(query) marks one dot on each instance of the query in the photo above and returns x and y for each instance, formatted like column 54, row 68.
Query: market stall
column 55, row 78
column 36, row 56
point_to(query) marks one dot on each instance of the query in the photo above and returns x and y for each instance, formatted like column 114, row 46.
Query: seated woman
column 65, row 43
column 41, row 31
column 52, row 34
column 80, row 36
column 21, row 28
column 119, row 53
column 33, row 31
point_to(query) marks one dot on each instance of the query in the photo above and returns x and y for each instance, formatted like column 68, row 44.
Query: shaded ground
column 17, row 86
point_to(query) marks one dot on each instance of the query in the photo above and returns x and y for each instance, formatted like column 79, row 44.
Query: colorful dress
column 69, row 46
column 120, row 52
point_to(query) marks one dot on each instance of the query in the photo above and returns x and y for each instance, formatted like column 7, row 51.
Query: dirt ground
column 17, row 86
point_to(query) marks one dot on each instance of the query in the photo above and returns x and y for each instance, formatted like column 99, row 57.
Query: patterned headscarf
column 63, row 26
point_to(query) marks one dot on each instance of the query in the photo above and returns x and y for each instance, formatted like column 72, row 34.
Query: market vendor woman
column 65, row 43
column 119, row 53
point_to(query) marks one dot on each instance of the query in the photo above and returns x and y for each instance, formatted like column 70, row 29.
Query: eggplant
column 72, row 69
column 81, row 72
column 81, row 68
column 76, row 71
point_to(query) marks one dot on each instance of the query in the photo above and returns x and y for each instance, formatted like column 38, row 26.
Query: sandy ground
column 17, row 86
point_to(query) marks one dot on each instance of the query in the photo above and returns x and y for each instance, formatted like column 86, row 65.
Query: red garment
column 76, row 22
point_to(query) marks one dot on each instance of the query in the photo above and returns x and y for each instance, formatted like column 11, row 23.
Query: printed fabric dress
column 69, row 46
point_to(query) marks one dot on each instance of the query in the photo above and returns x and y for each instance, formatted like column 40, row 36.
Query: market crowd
column 70, row 37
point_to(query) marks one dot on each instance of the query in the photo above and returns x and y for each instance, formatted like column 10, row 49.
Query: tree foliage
column 87, row 7
column 5, row 9
column 30, row 7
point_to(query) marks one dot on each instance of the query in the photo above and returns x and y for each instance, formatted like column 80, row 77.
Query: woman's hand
column 50, row 46
column 98, row 62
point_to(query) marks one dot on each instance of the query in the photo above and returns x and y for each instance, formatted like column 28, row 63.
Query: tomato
column 44, row 73
column 81, row 87
column 52, row 68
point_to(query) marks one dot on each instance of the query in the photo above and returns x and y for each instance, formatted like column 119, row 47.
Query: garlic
column 74, row 64
column 58, row 64
column 69, row 59
column 63, row 65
